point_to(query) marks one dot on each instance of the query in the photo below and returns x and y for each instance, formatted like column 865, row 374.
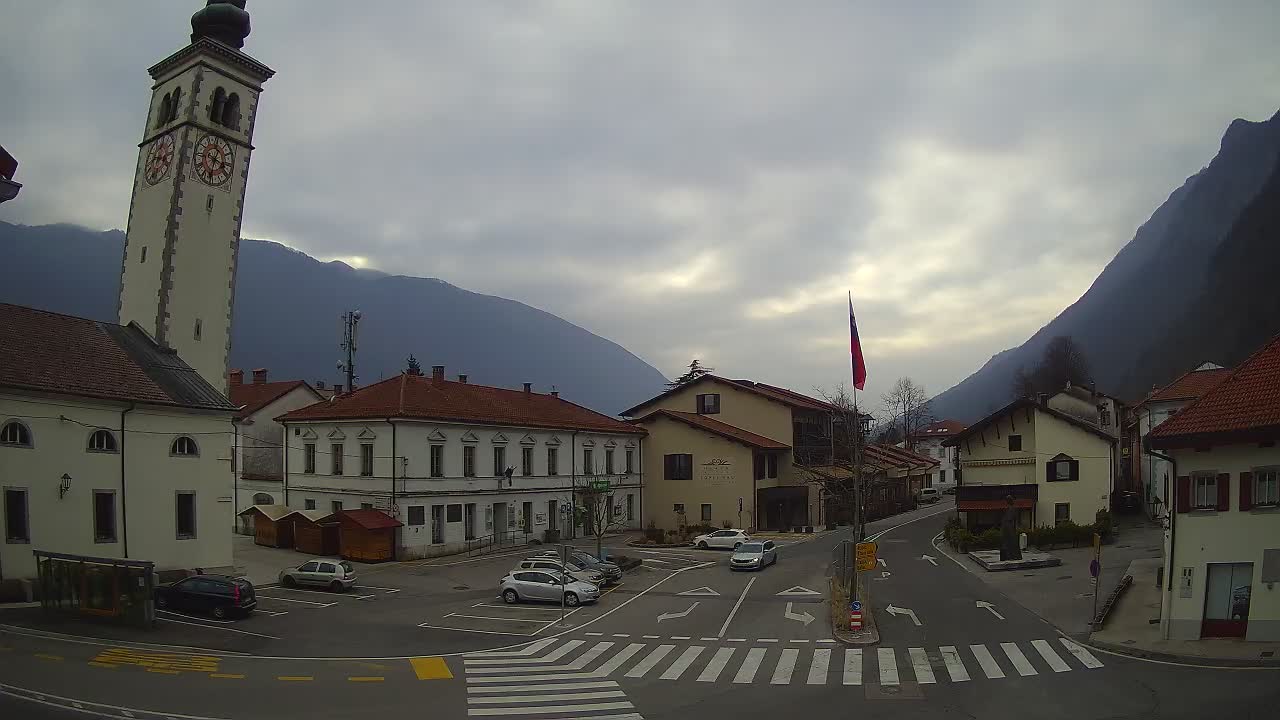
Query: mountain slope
column 1149, row 285
column 288, row 306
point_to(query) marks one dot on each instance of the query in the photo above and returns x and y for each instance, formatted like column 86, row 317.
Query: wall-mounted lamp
column 65, row 486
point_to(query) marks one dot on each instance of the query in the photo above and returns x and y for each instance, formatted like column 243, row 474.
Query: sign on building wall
column 716, row 471
column 540, row 519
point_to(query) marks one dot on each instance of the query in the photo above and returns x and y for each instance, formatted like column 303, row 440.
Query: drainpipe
column 284, row 448
column 236, row 463
column 394, row 459
column 1170, row 510
column 124, row 500
column 640, row 458
column 573, row 485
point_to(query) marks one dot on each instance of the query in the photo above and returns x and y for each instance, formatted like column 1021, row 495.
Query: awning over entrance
column 993, row 504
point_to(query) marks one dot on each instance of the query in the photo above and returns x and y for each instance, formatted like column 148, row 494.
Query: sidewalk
column 1129, row 630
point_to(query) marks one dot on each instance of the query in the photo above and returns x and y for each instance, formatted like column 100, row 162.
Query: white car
column 728, row 539
column 929, row 495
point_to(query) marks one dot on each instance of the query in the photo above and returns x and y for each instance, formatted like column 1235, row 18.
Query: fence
column 497, row 541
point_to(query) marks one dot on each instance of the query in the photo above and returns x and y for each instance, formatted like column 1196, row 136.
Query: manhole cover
column 461, row 587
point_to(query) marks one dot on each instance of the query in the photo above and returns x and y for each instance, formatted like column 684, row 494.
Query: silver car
column 337, row 575
column 553, row 564
column 611, row 572
column 546, row 586
column 754, row 556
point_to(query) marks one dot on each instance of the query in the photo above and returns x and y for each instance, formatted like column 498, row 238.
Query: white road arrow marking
column 989, row 606
column 797, row 590
column 805, row 617
column 931, row 559
column 884, row 574
column 704, row 590
column 903, row 611
column 883, row 564
column 668, row 616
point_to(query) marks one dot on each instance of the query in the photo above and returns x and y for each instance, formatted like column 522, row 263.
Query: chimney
column 462, row 379
column 319, row 384
column 259, row 376
column 236, row 377
column 1043, row 399
column 528, row 388
column 337, row 389
column 554, row 392
column 437, row 373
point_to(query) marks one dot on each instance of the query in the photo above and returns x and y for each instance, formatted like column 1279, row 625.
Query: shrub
column 652, row 533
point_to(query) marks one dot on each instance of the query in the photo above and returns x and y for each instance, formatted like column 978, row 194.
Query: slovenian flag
column 855, row 348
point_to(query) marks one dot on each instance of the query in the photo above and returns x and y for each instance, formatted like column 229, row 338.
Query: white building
column 1222, row 541
column 258, row 443
column 110, row 446
column 434, row 454
column 928, row 441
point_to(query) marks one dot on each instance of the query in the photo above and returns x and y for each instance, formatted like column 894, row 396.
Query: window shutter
column 666, row 466
column 1049, row 469
column 1224, row 491
column 1184, row 493
column 1246, row 490
column 1075, row 469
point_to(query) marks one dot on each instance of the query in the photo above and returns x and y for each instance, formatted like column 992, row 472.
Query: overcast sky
column 688, row 179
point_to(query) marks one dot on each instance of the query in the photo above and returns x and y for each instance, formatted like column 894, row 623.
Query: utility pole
column 350, row 328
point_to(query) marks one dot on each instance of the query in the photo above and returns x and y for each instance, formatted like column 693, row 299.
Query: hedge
column 1045, row 536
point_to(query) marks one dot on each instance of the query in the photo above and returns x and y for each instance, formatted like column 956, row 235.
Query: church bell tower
column 178, row 276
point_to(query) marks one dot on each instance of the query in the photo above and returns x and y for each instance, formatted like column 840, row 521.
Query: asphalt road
column 685, row 635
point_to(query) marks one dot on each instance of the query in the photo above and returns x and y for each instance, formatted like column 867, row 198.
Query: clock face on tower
column 214, row 158
column 159, row 158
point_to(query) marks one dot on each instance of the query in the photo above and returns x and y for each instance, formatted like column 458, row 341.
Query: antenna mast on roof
column 350, row 330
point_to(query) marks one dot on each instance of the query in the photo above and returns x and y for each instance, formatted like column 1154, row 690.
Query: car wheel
column 289, row 581
column 336, row 586
column 702, row 544
column 736, row 546
column 219, row 612
column 510, row 597
column 162, row 602
column 571, row 599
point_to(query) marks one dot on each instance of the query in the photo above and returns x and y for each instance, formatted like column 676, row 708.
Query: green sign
column 599, row 485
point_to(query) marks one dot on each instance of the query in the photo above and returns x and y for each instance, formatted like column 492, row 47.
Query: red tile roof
column 252, row 397
column 423, row 398
column 787, row 397
column 367, row 519
column 1020, row 403
column 724, row 430
column 1242, row 407
column 51, row 352
column 889, row 455
column 941, row 428
column 1190, row 385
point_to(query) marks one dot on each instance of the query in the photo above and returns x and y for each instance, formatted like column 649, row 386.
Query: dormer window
column 709, row 404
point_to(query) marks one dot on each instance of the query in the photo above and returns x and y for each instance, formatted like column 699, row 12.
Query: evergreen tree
column 415, row 367
column 696, row 370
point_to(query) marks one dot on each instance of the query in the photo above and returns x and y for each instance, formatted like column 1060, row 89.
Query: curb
column 870, row 633
column 1176, row 659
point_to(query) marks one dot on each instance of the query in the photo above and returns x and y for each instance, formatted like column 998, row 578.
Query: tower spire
column 223, row 20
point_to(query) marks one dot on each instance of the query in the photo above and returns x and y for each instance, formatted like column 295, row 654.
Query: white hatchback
column 728, row 539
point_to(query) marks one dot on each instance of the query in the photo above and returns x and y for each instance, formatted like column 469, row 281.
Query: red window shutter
column 666, row 466
column 1184, row 493
column 1246, row 491
column 1224, row 491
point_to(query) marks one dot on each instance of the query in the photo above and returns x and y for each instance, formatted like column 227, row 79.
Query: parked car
column 547, row 586
column 337, row 575
column 929, row 495
column 220, row 595
column 575, row 571
column 722, row 539
column 949, row 490
column 753, row 556
column 612, row 573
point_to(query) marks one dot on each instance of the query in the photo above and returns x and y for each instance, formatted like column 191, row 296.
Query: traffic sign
column 599, row 484
column 856, row 606
column 865, row 556
column 1094, row 567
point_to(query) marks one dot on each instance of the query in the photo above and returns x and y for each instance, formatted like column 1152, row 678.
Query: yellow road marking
column 109, row 666
column 373, row 678
column 295, row 678
column 44, row 656
column 163, row 671
column 430, row 668
column 168, row 661
column 228, row 676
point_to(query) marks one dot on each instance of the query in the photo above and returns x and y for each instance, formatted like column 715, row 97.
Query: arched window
column 173, row 106
column 184, row 446
column 162, row 116
column 215, row 107
column 231, row 112
column 16, row 434
column 102, row 441
column 263, row 499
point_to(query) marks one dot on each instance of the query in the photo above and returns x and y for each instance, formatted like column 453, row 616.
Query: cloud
column 688, row 179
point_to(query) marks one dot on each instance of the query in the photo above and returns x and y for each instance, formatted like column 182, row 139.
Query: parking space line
column 555, row 610
column 499, row 619
column 366, row 678
column 272, row 613
column 193, row 617
column 362, row 597
column 224, row 629
column 46, row 656
column 227, row 676
column 481, row 632
column 362, row 586
column 736, row 605
column 295, row 678
column 294, row 600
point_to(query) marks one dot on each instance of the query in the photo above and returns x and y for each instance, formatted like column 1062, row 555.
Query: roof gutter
column 124, row 498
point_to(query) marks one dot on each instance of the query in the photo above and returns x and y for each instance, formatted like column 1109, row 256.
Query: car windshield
column 750, row 548
column 346, row 567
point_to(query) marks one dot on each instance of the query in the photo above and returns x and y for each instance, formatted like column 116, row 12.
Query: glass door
column 1226, row 600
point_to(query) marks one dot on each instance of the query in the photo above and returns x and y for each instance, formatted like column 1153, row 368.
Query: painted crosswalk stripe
column 546, row 709
column 987, row 662
column 920, row 663
column 853, row 666
column 1020, row 662
column 550, row 657
column 650, row 661
column 592, row 684
column 618, row 660
column 558, row 697
column 747, row 672
column 589, row 656
column 532, row 678
column 533, row 649
column 1085, row 657
column 818, row 670
column 786, row 665
column 955, row 666
column 1052, row 658
column 713, row 669
column 888, row 663
column 682, row 663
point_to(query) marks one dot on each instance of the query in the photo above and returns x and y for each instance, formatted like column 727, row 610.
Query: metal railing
column 497, row 541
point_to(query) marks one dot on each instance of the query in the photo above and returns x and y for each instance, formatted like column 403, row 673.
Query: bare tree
column 842, row 481
column 1062, row 361
column 908, row 407
column 598, row 513
column 1022, row 385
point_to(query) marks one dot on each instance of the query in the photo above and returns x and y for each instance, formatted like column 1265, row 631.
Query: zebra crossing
column 555, row 670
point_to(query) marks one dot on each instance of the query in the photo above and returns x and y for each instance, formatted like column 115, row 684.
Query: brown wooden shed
column 270, row 526
column 367, row 535
column 314, row 532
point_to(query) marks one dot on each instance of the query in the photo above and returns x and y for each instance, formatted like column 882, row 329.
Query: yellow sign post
column 865, row 556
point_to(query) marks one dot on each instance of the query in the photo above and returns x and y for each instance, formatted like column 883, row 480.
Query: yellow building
column 731, row 451
column 1222, row 541
column 1056, row 466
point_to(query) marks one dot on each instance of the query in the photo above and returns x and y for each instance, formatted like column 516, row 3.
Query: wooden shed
column 270, row 526
column 314, row 532
column 366, row 535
